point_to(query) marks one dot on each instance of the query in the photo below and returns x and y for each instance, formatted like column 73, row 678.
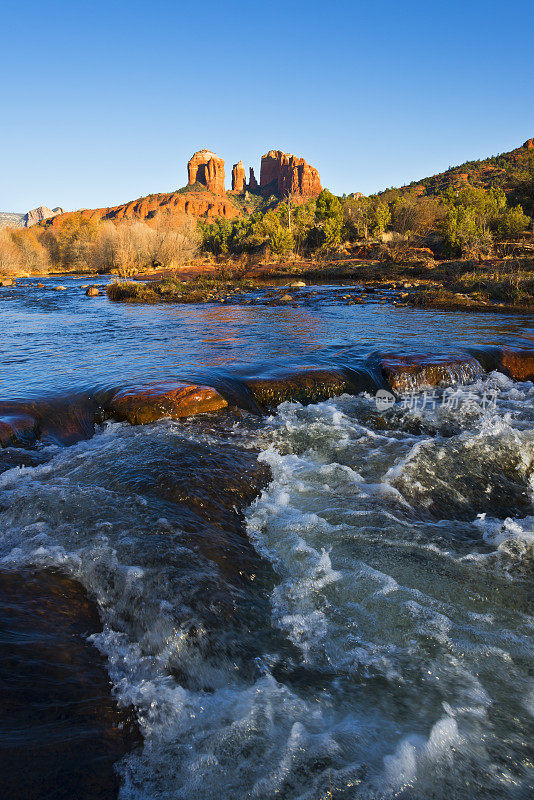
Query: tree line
column 81, row 243
column 463, row 222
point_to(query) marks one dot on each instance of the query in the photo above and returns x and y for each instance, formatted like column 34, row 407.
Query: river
column 326, row 600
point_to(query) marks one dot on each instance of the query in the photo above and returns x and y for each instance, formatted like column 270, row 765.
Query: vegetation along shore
column 460, row 239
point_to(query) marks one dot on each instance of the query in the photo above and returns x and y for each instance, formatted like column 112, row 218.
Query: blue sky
column 104, row 102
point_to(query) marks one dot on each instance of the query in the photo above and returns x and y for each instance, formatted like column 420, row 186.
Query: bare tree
column 131, row 247
column 10, row 256
column 291, row 197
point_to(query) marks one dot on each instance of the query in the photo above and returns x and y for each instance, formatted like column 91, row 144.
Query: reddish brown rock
column 282, row 173
column 206, row 168
column 529, row 144
column 238, row 177
column 17, row 429
column 143, row 404
column 517, row 363
column 405, row 373
column 252, row 182
column 173, row 205
column 302, row 386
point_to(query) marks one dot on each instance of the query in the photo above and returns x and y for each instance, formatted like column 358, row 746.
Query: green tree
column 328, row 206
column 303, row 222
column 332, row 228
column 216, row 235
column 281, row 241
column 380, row 217
column 465, row 232
column 511, row 222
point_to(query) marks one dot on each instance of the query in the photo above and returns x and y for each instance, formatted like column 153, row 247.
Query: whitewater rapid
column 362, row 621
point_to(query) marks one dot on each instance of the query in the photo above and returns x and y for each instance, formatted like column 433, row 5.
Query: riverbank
column 501, row 285
column 505, row 285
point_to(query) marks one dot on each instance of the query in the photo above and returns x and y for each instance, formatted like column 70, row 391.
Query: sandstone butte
column 206, row 168
column 205, row 195
column 238, row 177
column 283, row 174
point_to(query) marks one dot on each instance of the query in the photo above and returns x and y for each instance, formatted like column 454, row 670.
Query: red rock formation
column 175, row 204
column 529, row 144
column 208, row 169
column 252, row 182
column 238, row 177
column 282, row 173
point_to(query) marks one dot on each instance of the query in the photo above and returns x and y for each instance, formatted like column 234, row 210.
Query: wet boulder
column 405, row 373
column 92, row 291
column 517, row 363
column 17, row 429
column 62, row 731
column 140, row 405
column 303, row 386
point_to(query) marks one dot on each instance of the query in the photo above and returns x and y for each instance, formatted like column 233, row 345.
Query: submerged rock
column 304, row 386
column 59, row 420
column 62, row 731
column 17, row 428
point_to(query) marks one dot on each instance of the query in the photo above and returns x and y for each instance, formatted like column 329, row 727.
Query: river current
column 329, row 601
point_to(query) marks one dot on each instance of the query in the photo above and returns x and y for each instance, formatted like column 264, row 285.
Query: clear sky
column 103, row 102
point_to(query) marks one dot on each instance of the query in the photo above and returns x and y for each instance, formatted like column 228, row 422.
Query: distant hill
column 39, row 214
column 9, row 219
column 12, row 220
column 505, row 171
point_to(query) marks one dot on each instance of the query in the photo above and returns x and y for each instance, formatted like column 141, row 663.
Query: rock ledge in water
column 140, row 405
column 406, row 373
column 517, row 363
column 302, row 386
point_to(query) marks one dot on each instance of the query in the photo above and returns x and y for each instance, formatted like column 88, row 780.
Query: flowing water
column 328, row 601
